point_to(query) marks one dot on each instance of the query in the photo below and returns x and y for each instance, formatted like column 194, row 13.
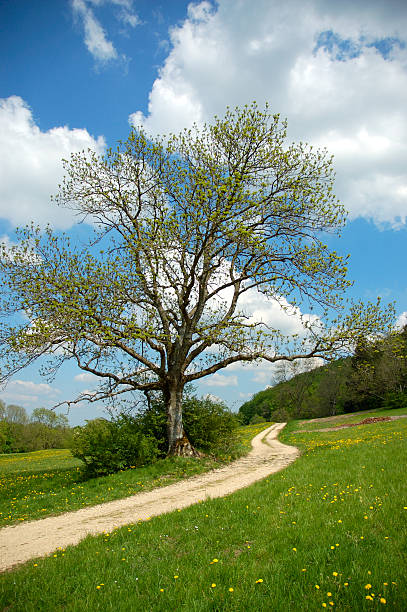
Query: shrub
column 257, row 418
column 209, row 425
column 281, row 415
column 108, row 446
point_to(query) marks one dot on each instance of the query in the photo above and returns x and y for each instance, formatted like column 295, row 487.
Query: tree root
column 183, row 448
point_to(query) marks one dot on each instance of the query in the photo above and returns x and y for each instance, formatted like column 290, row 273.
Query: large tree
column 184, row 227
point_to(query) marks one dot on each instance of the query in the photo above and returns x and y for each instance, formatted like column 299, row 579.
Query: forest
column 375, row 376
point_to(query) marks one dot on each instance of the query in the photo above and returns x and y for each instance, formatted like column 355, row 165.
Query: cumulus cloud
column 335, row 70
column 99, row 46
column 29, row 392
column 402, row 320
column 30, row 165
column 220, row 380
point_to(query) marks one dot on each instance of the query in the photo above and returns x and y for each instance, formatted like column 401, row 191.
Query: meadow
column 329, row 531
column 48, row 482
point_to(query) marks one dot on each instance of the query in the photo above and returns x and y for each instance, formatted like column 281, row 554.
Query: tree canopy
column 184, row 226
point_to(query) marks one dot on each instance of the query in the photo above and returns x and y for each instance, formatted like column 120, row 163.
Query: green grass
column 345, row 419
column 43, row 483
column 332, row 527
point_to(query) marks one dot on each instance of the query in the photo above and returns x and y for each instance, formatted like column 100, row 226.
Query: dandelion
column 259, row 580
column 213, row 585
column 231, row 589
column 175, row 577
column 304, row 569
column 382, row 600
column 346, row 584
column 161, row 590
column 332, row 547
column 369, row 598
column 368, row 586
column 334, row 573
column 317, row 586
column 294, row 549
column 213, row 561
column 329, row 594
column 324, row 605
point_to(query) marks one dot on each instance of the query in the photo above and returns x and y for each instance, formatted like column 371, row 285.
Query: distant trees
column 374, row 377
column 19, row 433
column 378, row 373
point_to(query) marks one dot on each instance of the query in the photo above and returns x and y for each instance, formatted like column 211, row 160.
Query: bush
column 395, row 399
column 209, row 425
column 256, row 419
column 108, row 446
column 281, row 415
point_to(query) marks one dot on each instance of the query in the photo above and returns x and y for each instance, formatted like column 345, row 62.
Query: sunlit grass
column 330, row 529
column 42, row 483
column 346, row 419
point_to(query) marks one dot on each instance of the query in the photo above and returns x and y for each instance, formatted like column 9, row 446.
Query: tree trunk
column 178, row 443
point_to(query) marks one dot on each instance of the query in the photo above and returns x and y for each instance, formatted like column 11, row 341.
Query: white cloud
column 95, row 36
column 31, row 387
column 29, row 393
column 220, row 380
column 213, row 398
column 402, row 320
column 85, row 377
column 96, row 41
column 30, row 165
column 337, row 71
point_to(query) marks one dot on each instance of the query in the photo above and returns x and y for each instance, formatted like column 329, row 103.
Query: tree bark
column 178, row 443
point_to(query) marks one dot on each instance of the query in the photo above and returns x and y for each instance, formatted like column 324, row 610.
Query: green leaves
column 185, row 226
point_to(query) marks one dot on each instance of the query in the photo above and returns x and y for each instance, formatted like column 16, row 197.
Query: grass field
column 346, row 419
column 330, row 531
column 42, row 483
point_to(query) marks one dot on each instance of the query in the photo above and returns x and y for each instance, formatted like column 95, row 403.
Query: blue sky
column 78, row 73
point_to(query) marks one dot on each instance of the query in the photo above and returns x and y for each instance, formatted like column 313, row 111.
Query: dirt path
column 26, row 541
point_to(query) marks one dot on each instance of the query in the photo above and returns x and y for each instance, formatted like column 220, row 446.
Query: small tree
column 184, row 227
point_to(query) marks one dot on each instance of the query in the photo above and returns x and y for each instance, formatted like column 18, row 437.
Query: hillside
column 374, row 377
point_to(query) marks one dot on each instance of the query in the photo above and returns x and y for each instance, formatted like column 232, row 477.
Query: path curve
column 20, row 543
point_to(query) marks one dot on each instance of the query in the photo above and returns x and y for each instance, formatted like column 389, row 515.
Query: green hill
column 374, row 377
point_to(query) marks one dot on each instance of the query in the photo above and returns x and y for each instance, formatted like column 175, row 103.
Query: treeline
column 20, row 433
column 374, row 377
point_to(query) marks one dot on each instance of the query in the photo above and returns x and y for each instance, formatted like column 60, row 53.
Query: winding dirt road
column 22, row 542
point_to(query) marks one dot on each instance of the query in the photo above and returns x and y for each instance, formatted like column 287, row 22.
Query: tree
column 330, row 394
column 184, row 226
column 49, row 418
column 379, row 371
column 13, row 414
